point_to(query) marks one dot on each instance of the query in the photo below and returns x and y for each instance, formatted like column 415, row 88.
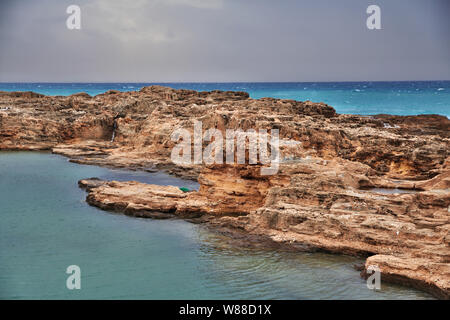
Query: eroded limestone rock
column 322, row 198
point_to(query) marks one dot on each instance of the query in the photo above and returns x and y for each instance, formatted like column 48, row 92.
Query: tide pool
column 46, row 225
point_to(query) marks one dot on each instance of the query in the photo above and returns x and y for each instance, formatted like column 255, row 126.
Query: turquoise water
column 46, row 226
column 366, row 98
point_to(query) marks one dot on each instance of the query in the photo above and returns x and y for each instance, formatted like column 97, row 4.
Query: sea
column 47, row 226
column 364, row 98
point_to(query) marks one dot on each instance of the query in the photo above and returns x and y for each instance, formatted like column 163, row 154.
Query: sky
column 224, row 41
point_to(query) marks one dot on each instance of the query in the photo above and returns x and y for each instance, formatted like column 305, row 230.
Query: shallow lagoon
column 46, row 226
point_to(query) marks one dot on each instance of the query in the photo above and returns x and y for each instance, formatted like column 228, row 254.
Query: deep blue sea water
column 365, row 98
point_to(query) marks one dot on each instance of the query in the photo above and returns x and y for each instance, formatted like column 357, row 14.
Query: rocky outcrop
column 313, row 205
column 133, row 198
column 376, row 186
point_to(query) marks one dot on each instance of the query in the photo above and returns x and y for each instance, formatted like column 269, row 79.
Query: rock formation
column 331, row 192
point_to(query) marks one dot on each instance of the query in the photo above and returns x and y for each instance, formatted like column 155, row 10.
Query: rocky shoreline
column 374, row 186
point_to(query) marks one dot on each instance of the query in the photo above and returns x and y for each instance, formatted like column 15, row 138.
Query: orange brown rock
column 324, row 196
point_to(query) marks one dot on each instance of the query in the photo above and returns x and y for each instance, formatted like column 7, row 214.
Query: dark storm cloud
column 224, row 40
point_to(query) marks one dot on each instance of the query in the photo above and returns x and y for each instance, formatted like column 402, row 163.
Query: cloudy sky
column 224, row 40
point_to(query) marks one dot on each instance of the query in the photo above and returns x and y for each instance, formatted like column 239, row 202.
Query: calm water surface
column 46, row 226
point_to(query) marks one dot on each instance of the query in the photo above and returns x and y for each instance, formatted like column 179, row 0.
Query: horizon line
column 212, row 82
